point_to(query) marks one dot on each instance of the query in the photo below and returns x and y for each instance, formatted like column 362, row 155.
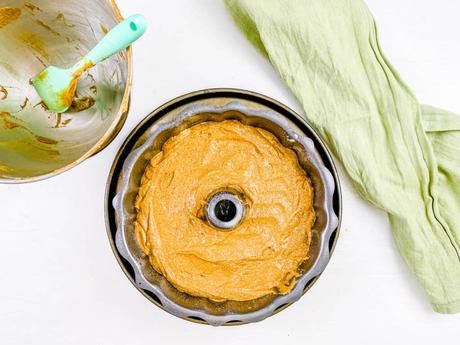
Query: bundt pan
column 35, row 143
column 148, row 138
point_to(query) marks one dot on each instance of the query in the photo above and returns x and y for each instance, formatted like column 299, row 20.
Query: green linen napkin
column 402, row 157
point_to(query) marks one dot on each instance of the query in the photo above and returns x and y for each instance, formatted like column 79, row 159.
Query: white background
column 60, row 283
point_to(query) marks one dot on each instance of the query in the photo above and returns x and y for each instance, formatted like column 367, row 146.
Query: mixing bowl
column 34, row 142
column 147, row 140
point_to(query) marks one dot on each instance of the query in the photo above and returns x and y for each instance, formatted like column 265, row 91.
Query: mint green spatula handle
column 117, row 39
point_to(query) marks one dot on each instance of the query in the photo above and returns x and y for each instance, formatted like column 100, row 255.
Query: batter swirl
column 263, row 253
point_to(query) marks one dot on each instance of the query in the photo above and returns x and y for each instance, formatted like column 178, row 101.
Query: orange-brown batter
column 261, row 256
column 8, row 15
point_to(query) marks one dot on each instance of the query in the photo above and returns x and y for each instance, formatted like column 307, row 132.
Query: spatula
column 56, row 86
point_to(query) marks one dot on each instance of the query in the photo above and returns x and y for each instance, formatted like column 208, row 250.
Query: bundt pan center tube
column 224, row 209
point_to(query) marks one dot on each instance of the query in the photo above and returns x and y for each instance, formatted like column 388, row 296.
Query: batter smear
column 262, row 255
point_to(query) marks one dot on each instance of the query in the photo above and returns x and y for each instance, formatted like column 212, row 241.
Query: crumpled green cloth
column 401, row 156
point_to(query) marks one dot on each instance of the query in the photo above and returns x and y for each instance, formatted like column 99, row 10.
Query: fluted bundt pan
column 148, row 138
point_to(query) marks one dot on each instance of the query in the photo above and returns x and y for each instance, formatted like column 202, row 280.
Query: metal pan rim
column 202, row 94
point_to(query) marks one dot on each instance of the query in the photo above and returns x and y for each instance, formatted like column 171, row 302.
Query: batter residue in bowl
column 261, row 255
column 8, row 15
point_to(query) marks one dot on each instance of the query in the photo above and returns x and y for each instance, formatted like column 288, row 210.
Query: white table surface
column 60, row 283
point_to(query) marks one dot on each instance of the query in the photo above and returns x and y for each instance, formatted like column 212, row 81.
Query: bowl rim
column 109, row 134
column 150, row 119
